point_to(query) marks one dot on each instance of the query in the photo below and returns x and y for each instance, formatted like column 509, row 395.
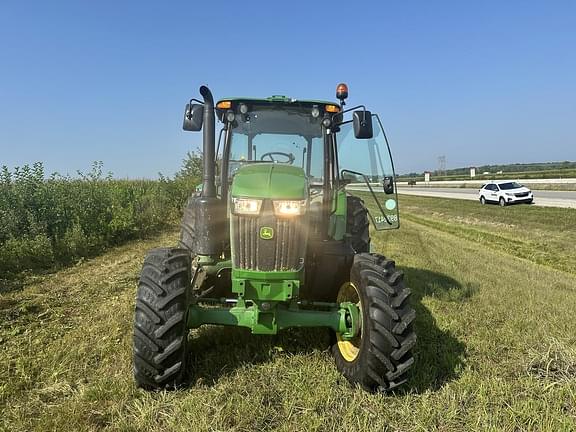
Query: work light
column 289, row 208
column 246, row 206
column 315, row 111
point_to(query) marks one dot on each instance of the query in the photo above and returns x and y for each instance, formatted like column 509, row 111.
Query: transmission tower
column 442, row 165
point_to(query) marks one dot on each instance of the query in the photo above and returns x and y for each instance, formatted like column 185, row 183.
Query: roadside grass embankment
column 504, row 175
column 495, row 349
column 542, row 235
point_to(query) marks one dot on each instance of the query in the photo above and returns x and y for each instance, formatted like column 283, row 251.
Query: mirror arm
column 189, row 113
column 348, row 110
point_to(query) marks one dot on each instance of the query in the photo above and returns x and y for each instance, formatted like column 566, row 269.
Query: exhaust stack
column 209, row 145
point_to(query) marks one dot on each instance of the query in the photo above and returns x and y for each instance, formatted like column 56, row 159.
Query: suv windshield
column 511, row 185
column 279, row 134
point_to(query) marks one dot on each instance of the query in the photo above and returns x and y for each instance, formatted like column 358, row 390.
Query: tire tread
column 160, row 332
column 385, row 355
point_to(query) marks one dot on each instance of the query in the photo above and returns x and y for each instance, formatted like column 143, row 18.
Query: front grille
column 521, row 194
column 283, row 252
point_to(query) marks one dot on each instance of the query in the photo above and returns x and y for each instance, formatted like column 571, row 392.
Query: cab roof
column 278, row 99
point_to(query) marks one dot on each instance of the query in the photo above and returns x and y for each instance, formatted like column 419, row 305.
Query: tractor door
column 367, row 169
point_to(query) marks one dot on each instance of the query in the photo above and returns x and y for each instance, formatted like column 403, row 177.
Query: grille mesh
column 284, row 252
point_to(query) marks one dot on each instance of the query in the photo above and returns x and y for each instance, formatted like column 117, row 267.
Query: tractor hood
column 270, row 180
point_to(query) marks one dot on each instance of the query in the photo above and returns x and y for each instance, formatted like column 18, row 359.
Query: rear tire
column 380, row 357
column 482, row 200
column 502, row 202
column 187, row 226
column 160, row 331
column 357, row 224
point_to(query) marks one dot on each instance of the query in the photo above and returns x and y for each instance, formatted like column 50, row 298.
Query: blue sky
column 479, row 82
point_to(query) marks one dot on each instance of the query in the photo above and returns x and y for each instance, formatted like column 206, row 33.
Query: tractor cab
column 337, row 157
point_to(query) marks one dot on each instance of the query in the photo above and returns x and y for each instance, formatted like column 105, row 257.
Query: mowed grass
column 496, row 347
column 542, row 235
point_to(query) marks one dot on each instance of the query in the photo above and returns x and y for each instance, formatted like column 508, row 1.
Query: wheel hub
column 349, row 343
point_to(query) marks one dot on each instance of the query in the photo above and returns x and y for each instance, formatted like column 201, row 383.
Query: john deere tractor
column 274, row 238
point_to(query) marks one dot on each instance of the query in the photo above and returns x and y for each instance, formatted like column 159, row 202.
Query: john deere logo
column 266, row 233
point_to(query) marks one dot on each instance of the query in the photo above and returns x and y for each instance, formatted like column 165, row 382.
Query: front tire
column 502, row 202
column 357, row 224
column 380, row 357
column 160, row 331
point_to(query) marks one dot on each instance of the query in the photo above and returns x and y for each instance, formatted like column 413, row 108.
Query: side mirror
column 388, row 185
column 363, row 125
column 193, row 116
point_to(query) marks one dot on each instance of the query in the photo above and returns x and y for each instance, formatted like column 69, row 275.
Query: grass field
column 495, row 293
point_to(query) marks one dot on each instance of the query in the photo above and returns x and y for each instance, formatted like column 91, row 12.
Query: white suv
column 505, row 192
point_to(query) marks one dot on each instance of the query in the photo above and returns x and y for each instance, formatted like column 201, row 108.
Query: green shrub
column 54, row 221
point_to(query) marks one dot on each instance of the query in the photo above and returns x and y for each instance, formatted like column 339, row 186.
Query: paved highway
column 541, row 198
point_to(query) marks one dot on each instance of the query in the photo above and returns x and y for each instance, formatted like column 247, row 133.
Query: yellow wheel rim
column 349, row 349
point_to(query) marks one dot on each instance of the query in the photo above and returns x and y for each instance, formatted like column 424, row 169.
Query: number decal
column 381, row 219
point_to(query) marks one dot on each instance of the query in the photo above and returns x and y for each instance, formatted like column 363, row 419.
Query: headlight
column 510, row 193
column 246, row 206
column 289, row 208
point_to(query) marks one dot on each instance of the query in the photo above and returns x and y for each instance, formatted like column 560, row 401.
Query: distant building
column 472, row 172
column 426, row 176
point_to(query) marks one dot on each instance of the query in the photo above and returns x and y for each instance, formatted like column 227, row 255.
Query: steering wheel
column 270, row 156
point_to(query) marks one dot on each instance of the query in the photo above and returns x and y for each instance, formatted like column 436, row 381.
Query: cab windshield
column 278, row 134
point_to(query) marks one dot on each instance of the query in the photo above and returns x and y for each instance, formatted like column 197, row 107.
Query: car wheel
column 482, row 200
column 502, row 202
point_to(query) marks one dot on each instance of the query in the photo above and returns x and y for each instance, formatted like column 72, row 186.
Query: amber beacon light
column 342, row 92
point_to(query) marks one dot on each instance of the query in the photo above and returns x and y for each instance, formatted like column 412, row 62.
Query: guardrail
column 481, row 182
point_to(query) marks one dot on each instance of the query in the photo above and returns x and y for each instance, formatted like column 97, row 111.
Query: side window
column 371, row 159
column 316, row 160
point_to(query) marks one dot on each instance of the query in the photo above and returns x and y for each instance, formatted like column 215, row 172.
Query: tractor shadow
column 10, row 282
column 439, row 356
column 216, row 351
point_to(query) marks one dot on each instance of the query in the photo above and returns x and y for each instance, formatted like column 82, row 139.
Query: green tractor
column 274, row 239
